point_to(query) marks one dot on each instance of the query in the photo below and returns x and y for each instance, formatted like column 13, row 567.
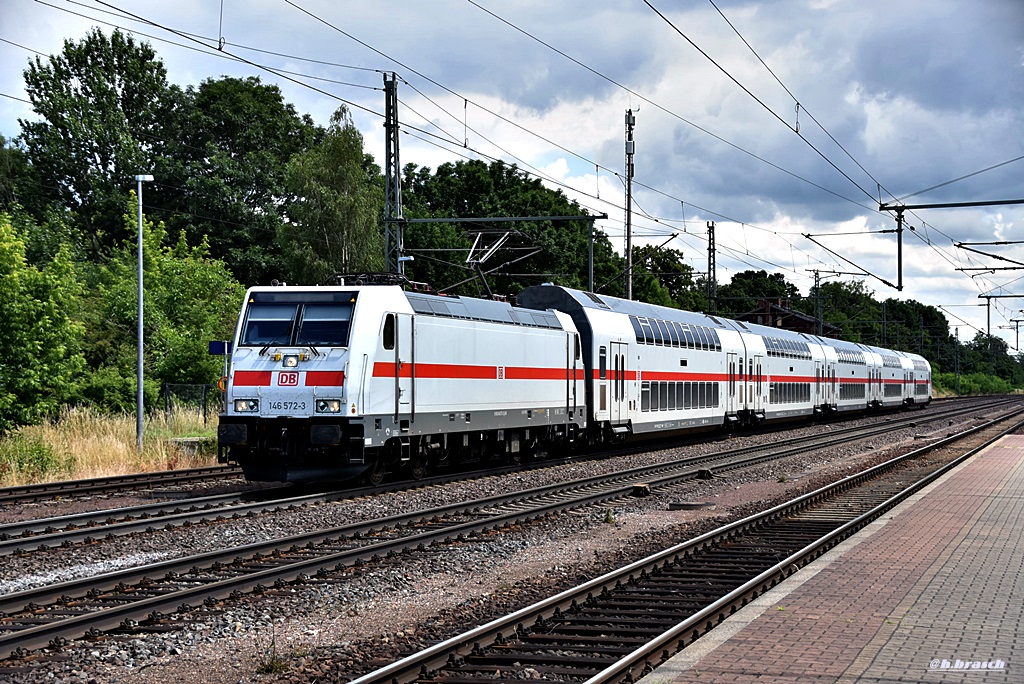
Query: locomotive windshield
column 314, row 319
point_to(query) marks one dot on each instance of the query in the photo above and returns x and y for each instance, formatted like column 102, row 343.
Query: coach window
column 688, row 335
column 659, row 332
column 645, row 325
column 389, row 331
column 637, row 329
column 702, row 338
column 602, row 356
column 576, row 345
column 673, row 329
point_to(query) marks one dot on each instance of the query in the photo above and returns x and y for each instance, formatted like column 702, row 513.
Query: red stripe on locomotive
column 325, row 378
column 252, row 378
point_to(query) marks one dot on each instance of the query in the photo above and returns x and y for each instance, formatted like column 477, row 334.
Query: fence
column 194, row 397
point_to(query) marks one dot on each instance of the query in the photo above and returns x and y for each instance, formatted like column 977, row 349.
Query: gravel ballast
column 335, row 629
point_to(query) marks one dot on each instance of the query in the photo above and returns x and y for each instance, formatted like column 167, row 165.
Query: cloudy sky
column 775, row 119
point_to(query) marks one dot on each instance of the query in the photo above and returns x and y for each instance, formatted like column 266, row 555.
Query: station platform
column 931, row 592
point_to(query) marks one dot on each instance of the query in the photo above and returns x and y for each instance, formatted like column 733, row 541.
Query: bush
column 27, row 457
column 972, row 383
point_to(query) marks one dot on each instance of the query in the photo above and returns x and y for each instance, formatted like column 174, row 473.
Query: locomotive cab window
column 268, row 324
column 324, row 325
column 298, row 319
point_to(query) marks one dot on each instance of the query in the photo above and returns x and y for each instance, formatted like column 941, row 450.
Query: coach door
column 405, row 368
column 757, row 383
column 572, row 365
column 619, row 395
column 730, row 390
column 831, row 387
column 819, row 386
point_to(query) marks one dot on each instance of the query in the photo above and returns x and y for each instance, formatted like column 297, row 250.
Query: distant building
column 777, row 315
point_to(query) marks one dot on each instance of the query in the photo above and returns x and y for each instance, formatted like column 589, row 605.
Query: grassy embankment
column 83, row 443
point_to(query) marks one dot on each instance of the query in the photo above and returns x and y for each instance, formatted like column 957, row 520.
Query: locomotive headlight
column 290, row 360
column 328, row 406
column 247, row 405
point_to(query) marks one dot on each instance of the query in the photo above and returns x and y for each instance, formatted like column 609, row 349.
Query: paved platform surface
column 932, row 592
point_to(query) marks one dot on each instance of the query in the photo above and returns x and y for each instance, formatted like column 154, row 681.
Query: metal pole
column 899, row 250
column 590, row 255
column 630, row 122
column 712, row 293
column 819, row 314
column 394, row 240
column 956, row 351
column 138, row 394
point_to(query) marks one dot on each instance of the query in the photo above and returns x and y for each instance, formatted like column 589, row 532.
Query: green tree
column 851, row 306
column 189, row 299
column 98, row 101
column 334, row 222
column 673, row 274
column 223, row 167
column 21, row 189
column 474, row 189
column 916, row 327
column 40, row 343
column 746, row 288
column 609, row 267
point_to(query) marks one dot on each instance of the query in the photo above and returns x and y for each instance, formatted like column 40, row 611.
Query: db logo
column 288, row 379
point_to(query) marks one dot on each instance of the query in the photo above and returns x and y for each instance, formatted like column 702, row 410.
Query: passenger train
column 328, row 383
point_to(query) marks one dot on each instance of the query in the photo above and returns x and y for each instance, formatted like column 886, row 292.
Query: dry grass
column 84, row 443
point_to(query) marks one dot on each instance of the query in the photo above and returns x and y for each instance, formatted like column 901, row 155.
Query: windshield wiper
column 272, row 342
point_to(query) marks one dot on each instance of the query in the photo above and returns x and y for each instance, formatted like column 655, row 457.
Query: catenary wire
column 727, row 218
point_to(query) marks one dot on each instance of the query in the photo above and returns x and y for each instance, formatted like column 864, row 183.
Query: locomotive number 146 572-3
column 287, row 405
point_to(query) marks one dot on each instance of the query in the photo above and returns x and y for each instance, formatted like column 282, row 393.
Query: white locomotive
column 327, row 382
column 331, row 382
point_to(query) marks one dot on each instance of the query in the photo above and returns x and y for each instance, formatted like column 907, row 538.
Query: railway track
column 114, row 483
column 146, row 597
column 133, row 482
column 42, row 534
column 616, row 627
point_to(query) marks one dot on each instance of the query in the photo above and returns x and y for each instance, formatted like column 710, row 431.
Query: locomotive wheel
column 419, row 467
column 376, row 472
